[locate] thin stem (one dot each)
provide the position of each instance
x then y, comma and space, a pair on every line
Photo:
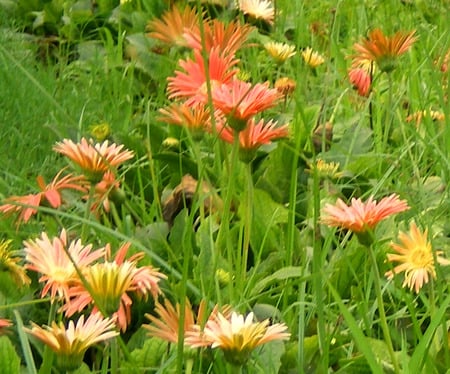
381, 311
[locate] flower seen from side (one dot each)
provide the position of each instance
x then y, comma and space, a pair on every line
71, 343
384, 50
94, 159
239, 101
9, 262
361, 216
415, 258
286, 86
258, 9
106, 191
4, 324
49, 257
312, 58
280, 52
50, 194
360, 80
173, 24
236, 335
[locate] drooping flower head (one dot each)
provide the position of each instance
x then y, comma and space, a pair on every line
9, 262
384, 50
360, 80
415, 258
239, 101
236, 335
173, 24
361, 216
71, 343
50, 194
94, 159
49, 258
4, 324
105, 191
258, 9
110, 283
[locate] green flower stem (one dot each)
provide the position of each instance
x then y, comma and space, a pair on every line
47, 357
87, 212
114, 352
383, 320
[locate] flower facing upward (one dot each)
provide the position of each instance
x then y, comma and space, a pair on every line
50, 194
312, 58
382, 49
190, 83
258, 9
280, 52
239, 101
362, 216
94, 159
70, 343
49, 258
110, 283
415, 256
9, 263
237, 336
172, 25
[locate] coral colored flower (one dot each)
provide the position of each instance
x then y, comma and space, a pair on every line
255, 134
166, 325
95, 159
241, 100
237, 336
361, 216
49, 257
416, 259
226, 38
190, 83
51, 194
258, 9
382, 49
103, 190
71, 343
196, 117
9, 263
172, 25
4, 323
110, 283
312, 58
280, 52
360, 80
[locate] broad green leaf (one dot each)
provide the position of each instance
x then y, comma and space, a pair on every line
10, 361
281, 274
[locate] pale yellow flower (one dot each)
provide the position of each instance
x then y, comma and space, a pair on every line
312, 58
415, 255
280, 52
258, 9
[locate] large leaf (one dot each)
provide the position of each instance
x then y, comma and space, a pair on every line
10, 361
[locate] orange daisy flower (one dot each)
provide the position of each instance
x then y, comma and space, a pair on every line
110, 282
49, 258
362, 216
237, 336
416, 259
190, 83
71, 343
50, 194
95, 159
227, 39
240, 100
382, 49
258, 9
173, 24
166, 325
